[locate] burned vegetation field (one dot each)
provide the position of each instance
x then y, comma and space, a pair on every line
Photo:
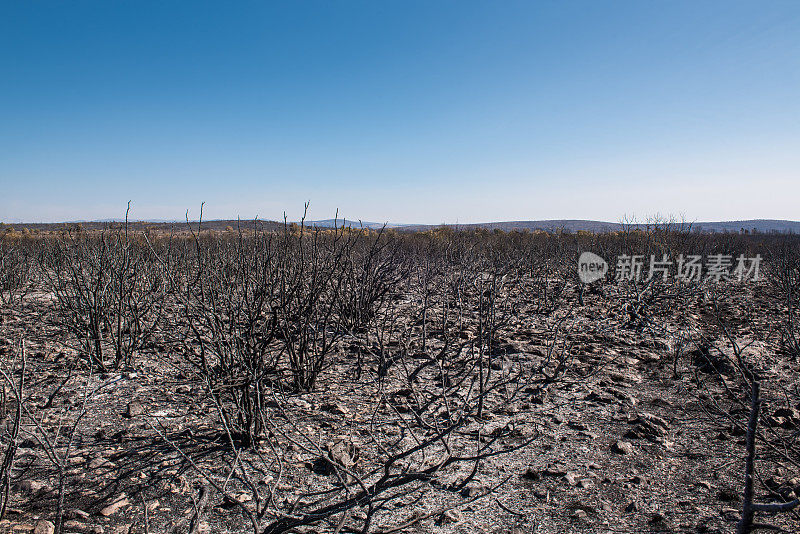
295, 379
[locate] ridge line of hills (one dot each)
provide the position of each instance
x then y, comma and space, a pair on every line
551, 225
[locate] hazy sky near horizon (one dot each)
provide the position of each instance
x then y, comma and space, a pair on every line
400, 111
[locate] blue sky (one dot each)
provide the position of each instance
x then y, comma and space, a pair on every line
396, 111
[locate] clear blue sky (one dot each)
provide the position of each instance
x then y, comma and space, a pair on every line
400, 111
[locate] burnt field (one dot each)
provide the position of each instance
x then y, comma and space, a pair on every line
288, 379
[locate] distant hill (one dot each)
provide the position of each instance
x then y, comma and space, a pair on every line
164, 226
552, 225
761, 225
575, 225
329, 223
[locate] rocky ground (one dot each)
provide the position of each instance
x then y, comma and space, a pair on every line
626, 441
